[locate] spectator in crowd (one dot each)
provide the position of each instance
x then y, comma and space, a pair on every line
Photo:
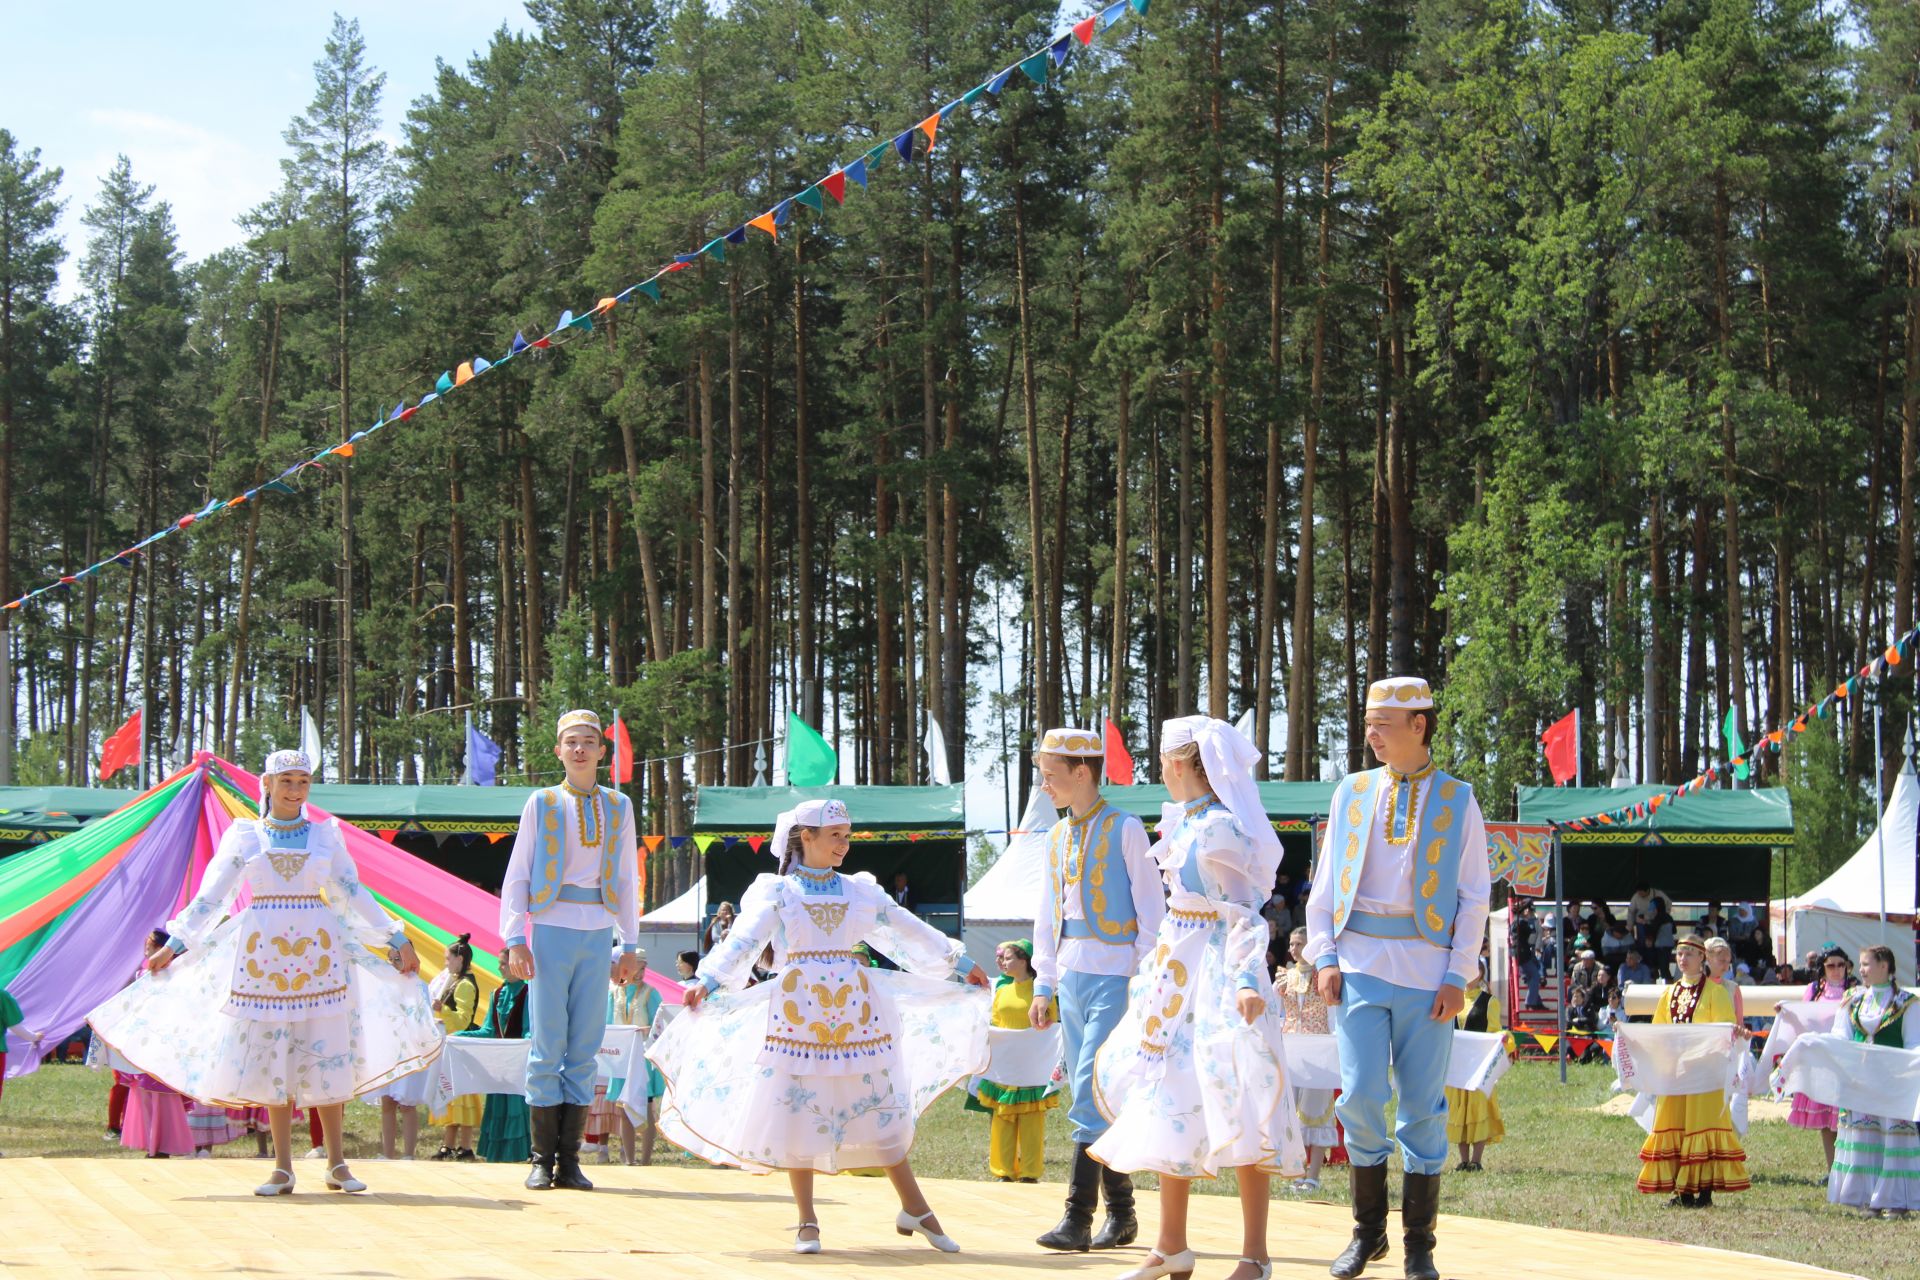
1279, 915
1473, 1118
1580, 979
1784, 975
632, 1004
1714, 922
1614, 1014
1634, 969
1614, 944
1549, 945
717, 927
685, 963
1720, 970
1830, 984
1016, 1140
1665, 935
900, 892
1585, 1016
1643, 899
156, 1116
1306, 1013
506, 1136
1524, 954
456, 1001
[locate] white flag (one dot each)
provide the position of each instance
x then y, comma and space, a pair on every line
936, 746
310, 740
1244, 725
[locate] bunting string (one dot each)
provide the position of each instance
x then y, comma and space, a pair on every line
1036, 66
1897, 655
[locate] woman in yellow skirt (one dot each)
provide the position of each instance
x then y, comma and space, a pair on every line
1016, 1146
456, 995
1473, 1118
1693, 1150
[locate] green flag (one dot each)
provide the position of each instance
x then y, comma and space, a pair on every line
810, 761
1730, 735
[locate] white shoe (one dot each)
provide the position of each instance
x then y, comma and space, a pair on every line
1306, 1186
907, 1225
1266, 1268
278, 1183
317, 1153
339, 1178
1179, 1267
806, 1246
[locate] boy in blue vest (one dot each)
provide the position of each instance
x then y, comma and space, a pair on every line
1100, 905
572, 883
1394, 924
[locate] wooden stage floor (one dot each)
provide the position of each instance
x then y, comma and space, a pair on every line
183, 1219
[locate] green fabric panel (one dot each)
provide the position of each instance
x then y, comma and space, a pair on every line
1766, 811
481, 960
26, 878
390, 806
755, 808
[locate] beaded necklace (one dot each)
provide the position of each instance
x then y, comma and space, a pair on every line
818, 876
1683, 998
298, 827
1414, 797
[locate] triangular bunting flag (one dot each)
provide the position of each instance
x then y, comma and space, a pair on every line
857, 171
651, 288
1083, 30
904, 145
480, 365
566, 318
970, 95
755, 842
1547, 1042
543, 343
603, 306
716, 248
999, 82
444, 385
676, 841
1035, 67
463, 375
672, 267
738, 235
766, 223
684, 259
583, 321
344, 450
835, 185
1139, 7
876, 153
812, 198
653, 843
518, 344
929, 126
1111, 14
1060, 48
398, 409
729, 841
781, 212
704, 842
495, 837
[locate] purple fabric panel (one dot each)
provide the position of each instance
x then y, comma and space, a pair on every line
104, 941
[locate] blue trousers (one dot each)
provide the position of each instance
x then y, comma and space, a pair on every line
567, 1006
1377, 1024
1090, 1008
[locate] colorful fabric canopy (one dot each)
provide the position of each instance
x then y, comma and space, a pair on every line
74, 914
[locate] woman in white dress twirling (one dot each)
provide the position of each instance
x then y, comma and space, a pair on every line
826, 1067
1194, 1077
280, 1003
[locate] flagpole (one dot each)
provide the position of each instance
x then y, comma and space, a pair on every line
467, 750
1579, 779
1880, 806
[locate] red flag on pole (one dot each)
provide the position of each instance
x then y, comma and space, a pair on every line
1562, 744
622, 752
1119, 763
122, 749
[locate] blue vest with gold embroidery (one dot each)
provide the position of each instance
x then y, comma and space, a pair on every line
1087, 852
1438, 828
550, 853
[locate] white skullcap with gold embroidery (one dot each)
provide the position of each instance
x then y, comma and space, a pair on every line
573, 719
288, 761
1408, 693
1073, 742
808, 813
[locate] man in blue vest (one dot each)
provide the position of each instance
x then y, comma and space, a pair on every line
572, 883
1100, 905
1394, 925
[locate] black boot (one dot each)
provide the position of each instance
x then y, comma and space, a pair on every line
1369, 1242
1121, 1226
1074, 1233
543, 1123
566, 1171
1419, 1207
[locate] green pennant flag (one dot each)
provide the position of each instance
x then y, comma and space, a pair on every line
651, 289
1036, 67
810, 761
1735, 748
813, 199
716, 248
876, 154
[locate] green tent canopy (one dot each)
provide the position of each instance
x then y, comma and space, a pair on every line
1295, 808
1708, 845
437, 810
29, 815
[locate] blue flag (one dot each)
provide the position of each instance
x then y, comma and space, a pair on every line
483, 757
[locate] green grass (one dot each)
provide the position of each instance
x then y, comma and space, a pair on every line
1562, 1165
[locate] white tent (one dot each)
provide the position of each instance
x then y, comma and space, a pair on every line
1844, 909
1001, 905
673, 927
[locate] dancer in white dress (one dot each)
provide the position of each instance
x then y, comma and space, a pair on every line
282, 1003
1194, 1078
826, 1067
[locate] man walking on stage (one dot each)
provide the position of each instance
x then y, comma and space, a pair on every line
1394, 924
572, 882
1099, 908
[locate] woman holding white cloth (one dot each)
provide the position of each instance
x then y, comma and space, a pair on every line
1194, 1077
1876, 1160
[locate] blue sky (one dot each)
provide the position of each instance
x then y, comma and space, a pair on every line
197, 95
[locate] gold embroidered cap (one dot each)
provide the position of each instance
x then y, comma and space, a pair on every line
1692, 940
1408, 693
573, 719
1073, 742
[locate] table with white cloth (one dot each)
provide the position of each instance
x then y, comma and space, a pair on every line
477, 1064
1478, 1060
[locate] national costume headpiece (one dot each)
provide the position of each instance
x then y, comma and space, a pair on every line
1079, 743
1692, 940
1408, 693
288, 761
1229, 758
574, 719
808, 813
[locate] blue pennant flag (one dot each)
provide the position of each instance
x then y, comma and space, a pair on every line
950, 108
518, 344
736, 236
686, 259
357, 436
1061, 48
1112, 13
428, 399
999, 82
398, 409
781, 212
857, 171
483, 756
480, 365
566, 318
904, 145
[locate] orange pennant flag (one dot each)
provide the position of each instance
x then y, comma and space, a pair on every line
463, 375
766, 223
344, 450
495, 837
929, 126
606, 304
653, 843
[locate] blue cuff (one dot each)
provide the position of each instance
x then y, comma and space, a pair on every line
710, 985
965, 965
176, 946
1248, 983
397, 938
1041, 991
629, 948
1328, 961
518, 940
